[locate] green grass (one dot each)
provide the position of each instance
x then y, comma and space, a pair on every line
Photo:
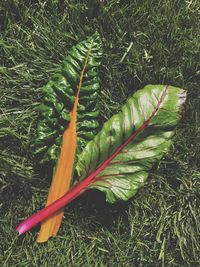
160, 226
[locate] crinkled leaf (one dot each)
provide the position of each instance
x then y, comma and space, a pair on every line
77, 115
59, 97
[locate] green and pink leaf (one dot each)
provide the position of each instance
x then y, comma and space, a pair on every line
118, 159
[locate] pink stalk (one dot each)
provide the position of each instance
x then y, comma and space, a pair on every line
52, 208
79, 188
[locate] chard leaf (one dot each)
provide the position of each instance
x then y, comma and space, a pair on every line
59, 97
79, 78
117, 161
132, 141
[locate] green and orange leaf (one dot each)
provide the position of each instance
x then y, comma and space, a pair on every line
73, 91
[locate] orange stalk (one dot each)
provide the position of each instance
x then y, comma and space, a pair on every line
61, 181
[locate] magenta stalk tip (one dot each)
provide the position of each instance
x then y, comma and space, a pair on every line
21, 229
38, 217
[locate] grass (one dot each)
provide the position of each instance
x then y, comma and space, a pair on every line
160, 226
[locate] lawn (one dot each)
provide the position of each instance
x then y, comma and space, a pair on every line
144, 42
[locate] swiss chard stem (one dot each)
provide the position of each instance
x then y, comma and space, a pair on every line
55, 206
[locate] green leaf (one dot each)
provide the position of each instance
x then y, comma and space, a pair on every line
59, 97
118, 160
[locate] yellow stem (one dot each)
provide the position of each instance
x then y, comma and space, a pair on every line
61, 181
